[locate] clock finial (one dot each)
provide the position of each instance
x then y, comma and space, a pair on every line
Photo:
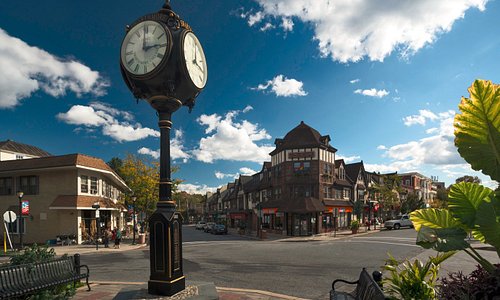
167, 4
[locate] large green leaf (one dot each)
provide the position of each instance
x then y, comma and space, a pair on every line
488, 222
433, 218
464, 199
442, 239
477, 128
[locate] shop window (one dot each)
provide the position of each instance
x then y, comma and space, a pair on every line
93, 185
6, 186
326, 192
301, 167
28, 185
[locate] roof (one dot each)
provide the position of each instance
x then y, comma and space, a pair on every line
334, 202
23, 148
342, 182
48, 162
79, 201
295, 205
339, 162
352, 170
302, 136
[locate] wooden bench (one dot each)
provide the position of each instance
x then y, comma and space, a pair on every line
367, 288
20, 280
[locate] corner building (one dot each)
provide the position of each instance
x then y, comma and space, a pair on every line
306, 191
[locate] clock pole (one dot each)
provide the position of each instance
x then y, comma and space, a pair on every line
168, 85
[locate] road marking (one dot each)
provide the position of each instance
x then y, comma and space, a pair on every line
380, 242
385, 238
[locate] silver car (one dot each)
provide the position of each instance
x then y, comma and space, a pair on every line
401, 221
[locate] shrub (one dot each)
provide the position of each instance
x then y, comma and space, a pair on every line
480, 284
355, 225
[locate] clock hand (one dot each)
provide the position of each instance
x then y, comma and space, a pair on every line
144, 40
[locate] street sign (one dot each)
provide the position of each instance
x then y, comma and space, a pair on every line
97, 213
25, 208
9, 216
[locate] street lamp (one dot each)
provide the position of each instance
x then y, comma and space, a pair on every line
20, 195
133, 216
96, 206
369, 213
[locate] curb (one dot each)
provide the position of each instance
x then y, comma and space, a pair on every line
260, 292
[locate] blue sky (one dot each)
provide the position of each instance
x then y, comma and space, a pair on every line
382, 78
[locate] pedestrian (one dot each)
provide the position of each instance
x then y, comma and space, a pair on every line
118, 238
107, 235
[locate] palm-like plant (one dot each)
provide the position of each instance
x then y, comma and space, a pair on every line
471, 207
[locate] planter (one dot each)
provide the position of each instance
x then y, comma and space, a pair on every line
354, 231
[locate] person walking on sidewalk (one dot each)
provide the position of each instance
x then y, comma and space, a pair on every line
118, 238
107, 235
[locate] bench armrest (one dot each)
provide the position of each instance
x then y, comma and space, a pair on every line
344, 281
86, 267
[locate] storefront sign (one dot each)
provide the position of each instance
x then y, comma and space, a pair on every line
269, 211
292, 155
25, 208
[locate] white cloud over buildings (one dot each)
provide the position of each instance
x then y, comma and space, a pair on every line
283, 87
232, 140
349, 31
27, 69
119, 125
177, 150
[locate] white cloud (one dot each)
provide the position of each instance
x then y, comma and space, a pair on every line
196, 188
435, 150
99, 114
354, 81
231, 140
283, 87
27, 69
381, 147
348, 159
247, 171
177, 150
372, 92
220, 175
421, 118
266, 27
287, 24
348, 31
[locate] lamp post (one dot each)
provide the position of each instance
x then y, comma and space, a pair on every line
96, 206
20, 195
369, 213
133, 216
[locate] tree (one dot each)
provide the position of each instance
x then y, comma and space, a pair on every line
411, 203
442, 198
358, 208
468, 178
389, 192
116, 163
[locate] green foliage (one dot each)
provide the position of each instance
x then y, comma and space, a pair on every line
355, 225
358, 208
477, 128
415, 280
60, 292
412, 203
471, 207
468, 178
33, 254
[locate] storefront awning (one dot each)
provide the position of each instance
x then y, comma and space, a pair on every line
294, 205
84, 202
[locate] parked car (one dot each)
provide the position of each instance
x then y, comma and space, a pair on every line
401, 221
219, 229
208, 227
200, 225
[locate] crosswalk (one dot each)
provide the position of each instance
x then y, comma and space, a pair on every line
393, 241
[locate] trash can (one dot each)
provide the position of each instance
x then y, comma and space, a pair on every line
142, 238
263, 234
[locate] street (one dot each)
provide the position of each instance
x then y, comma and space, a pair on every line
302, 269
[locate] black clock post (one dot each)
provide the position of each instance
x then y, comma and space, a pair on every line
159, 66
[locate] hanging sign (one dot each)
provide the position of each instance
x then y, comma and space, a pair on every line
25, 208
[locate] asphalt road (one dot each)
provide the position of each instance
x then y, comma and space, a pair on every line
302, 269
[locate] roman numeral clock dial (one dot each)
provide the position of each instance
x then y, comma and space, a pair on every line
195, 61
144, 47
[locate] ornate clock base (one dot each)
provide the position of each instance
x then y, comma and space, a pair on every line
166, 288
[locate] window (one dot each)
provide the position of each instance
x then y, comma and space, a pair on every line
407, 182
84, 184
13, 227
346, 194
341, 173
6, 186
28, 185
93, 185
301, 167
338, 194
326, 192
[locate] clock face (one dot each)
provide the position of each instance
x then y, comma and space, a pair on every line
145, 46
194, 57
